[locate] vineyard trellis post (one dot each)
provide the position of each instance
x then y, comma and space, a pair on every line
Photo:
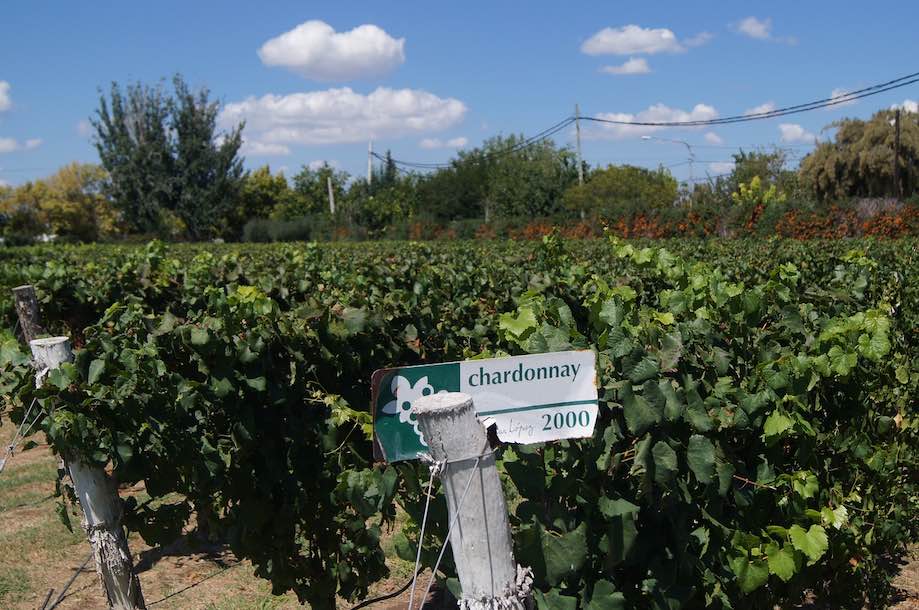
479, 528
27, 311
98, 497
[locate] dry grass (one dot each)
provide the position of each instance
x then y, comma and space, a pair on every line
39, 553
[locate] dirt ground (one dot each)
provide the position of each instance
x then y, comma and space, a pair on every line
38, 554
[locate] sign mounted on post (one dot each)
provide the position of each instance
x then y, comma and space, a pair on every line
531, 399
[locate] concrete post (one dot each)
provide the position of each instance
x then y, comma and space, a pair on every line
480, 539
99, 500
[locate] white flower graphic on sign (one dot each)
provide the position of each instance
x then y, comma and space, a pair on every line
406, 394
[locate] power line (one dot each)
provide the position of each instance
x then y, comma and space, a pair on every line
890, 85
544, 134
897, 83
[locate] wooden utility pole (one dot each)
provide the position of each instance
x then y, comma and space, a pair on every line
577, 131
331, 196
370, 163
99, 500
27, 310
480, 533
897, 188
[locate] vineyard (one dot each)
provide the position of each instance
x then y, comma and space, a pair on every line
757, 443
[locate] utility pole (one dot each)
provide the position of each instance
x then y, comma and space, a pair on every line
370, 163
897, 189
331, 196
577, 129
692, 159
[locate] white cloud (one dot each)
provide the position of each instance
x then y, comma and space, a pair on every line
318, 164
8, 145
432, 143
84, 128
721, 167
635, 65
713, 138
760, 29
766, 107
699, 39
839, 93
632, 39
756, 28
315, 50
657, 113
6, 102
336, 116
793, 133
907, 106
262, 149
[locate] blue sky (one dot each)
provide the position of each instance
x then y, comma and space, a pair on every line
426, 78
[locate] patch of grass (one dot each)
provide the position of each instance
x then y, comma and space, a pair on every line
26, 484
14, 584
250, 602
37, 472
48, 535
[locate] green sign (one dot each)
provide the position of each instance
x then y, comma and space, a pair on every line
531, 399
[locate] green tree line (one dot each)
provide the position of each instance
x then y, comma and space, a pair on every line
165, 169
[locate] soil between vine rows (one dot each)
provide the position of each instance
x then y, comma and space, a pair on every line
39, 554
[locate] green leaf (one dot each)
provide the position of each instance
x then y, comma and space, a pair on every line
167, 324
902, 374
96, 367
639, 414
355, 319
671, 350
564, 554
835, 517
619, 539
612, 312
751, 575
553, 600
812, 542
700, 455
125, 451
875, 346
644, 369
221, 386
665, 462
776, 424
616, 508
199, 336
605, 597
257, 383
781, 561
673, 404
519, 324
805, 484
842, 362
529, 480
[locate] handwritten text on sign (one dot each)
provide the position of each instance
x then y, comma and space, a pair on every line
531, 399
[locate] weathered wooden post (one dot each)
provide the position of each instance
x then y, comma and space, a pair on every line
98, 497
480, 537
27, 309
